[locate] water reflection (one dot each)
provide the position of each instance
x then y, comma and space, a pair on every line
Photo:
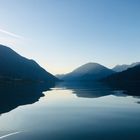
12, 96
86, 89
55, 117
98, 89
132, 89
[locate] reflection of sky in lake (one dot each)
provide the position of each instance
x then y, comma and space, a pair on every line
61, 114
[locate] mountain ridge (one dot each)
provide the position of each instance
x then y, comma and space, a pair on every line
120, 68
16, 67
89, 71
131, 75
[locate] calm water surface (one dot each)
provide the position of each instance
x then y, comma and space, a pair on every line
72, 112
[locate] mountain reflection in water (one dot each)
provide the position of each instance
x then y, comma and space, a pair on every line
60, 115
99, 89
14, 95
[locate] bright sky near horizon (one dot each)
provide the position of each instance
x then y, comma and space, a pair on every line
64, 34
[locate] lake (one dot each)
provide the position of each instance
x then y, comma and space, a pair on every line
69, 111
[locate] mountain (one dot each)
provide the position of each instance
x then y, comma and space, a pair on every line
89, 71
120, 68
14, 67
131, 75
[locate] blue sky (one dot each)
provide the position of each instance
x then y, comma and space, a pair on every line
63, 34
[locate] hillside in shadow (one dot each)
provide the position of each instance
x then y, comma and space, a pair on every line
16, 68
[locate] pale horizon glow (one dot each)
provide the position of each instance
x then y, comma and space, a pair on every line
63, 35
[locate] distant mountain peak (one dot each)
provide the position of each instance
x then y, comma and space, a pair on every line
88, 71
123, 67
128, 76
88, 66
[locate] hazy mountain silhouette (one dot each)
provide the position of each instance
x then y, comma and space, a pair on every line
14, 67
120, 68
128, 78
14, 95
87, 72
